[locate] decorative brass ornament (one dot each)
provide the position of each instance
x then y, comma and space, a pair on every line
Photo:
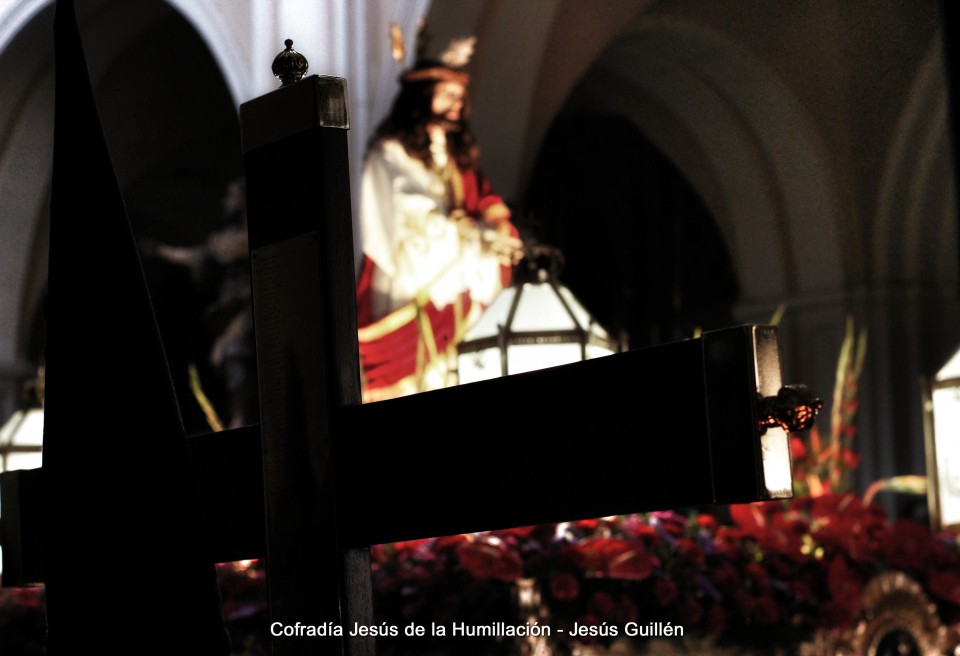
289, 66
895, 619
793, 408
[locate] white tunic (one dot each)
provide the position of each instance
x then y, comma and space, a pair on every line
419, 252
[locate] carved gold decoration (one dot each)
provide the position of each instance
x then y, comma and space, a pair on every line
895, 619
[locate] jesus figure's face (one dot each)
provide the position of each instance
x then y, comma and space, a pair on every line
448, 99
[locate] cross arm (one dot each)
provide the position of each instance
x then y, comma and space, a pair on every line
671, 426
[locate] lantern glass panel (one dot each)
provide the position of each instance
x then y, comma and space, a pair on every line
946, 428
479, 365
531, 357
951, 369
495, 316
541, 309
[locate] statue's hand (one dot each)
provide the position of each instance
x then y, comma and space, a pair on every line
499, 241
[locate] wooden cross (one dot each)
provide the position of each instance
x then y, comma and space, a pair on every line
665, 427
671, 426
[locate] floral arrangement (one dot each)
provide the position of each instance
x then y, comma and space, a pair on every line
788, 568
823, 465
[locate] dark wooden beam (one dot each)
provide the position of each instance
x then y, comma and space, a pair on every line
229, 473
305, 320
665, 427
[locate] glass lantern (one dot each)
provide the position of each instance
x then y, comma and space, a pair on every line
942, 434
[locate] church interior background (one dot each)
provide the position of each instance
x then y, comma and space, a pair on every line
700, 165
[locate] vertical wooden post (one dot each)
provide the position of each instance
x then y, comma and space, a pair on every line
301, 243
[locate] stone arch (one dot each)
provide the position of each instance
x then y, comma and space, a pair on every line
742, 138
915, 241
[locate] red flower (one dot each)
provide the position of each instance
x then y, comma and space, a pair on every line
449, 541
850, 458
907, 545
615, 558
517, 531
726, 577
634, 565
671, 522
690, 550
837, 613
636, 527
588, 524
564, 586
407, 546
489, 558
707, 523
845, 587
945, 586
798, 449
842, 581
756, 574
753, 518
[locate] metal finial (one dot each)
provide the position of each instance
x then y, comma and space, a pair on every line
289, 66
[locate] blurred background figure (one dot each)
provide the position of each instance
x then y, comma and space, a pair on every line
214, 362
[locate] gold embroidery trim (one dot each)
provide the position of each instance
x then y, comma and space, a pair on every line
386, 325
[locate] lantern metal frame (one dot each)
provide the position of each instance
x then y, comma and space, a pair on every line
540, 265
